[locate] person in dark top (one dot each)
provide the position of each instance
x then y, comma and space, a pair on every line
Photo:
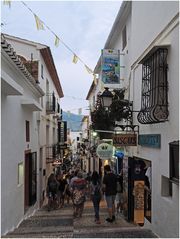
110, 189
95, 190
62, 189
52, 190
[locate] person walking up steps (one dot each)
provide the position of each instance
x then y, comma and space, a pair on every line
78, 186
51, 191
110, 189
96, 193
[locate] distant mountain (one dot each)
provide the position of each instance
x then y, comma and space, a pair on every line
73, 120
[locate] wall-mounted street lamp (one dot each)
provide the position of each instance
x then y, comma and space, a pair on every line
94, 134
109, 100
111, 107
106, 98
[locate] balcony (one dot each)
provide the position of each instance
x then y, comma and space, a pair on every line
52, 152
50, 104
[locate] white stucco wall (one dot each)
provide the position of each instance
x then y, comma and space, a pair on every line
13, 145
13, 117
164, 209
148, 19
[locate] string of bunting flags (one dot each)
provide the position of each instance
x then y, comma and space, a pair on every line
41, 25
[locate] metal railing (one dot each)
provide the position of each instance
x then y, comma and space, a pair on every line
52, 152
50, 103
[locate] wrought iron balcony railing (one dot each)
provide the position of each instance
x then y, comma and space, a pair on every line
50, 104
52, 151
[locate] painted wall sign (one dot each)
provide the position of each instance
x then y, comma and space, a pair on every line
150, 140
104, 151
110, 66
125, 140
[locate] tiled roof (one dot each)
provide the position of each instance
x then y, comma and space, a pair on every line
12, 54
48, 59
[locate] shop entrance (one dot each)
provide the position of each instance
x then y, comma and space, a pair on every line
137, 187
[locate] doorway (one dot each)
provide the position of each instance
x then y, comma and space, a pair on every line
30, 190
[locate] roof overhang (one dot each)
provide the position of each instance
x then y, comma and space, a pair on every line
117, 25
90, 90
48, 59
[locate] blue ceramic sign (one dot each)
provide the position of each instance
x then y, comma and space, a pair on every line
150, 140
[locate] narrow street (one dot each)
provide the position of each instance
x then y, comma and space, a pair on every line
60, 224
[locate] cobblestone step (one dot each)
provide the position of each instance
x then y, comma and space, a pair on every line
42, 235
60, 224
41, 230
118, 233
47, 222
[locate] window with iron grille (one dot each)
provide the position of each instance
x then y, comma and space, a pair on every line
50, 103
154, 102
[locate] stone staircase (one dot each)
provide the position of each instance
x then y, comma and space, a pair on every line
60, 224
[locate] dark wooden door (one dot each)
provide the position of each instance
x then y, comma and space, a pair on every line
26, 178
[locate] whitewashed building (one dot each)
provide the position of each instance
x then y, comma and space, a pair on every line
147, 35
30, 108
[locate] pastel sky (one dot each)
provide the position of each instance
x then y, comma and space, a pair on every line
82, 25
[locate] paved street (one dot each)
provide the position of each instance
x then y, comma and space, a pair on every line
60, 224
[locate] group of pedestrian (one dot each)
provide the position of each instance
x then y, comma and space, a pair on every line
76, 186
112, 187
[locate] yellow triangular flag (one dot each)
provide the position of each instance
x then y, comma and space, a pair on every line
7, 2
75, 59
56, 41
88, 70
39, 23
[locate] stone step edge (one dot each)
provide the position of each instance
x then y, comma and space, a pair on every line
106, 230
41, 217
34, 230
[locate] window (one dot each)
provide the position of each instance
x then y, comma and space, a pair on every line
166, 187
124, 38
174, 161
154, 101
20, 173
27, 131
42, 104
42, 72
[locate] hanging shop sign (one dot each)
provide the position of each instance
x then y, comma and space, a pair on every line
62, 131
125, 140
150, 140
110, 66
104, 151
